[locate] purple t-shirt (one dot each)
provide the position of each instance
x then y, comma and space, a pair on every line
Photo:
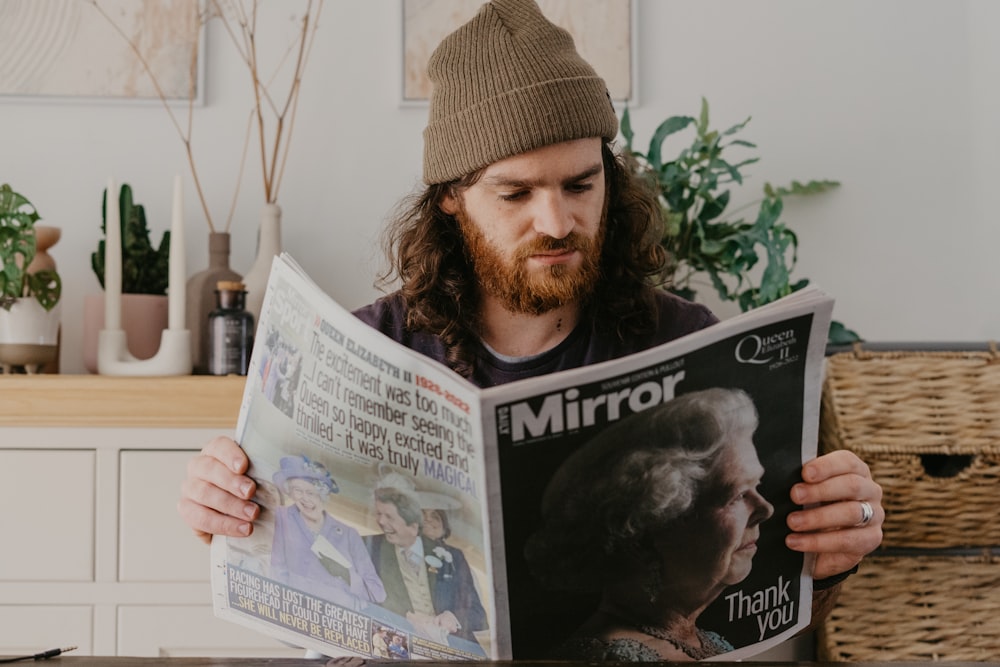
675, 317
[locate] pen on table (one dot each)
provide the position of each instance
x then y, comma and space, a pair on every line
44, 655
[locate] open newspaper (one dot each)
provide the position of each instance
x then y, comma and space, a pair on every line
407, 513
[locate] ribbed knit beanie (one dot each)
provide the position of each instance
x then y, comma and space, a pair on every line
507, 82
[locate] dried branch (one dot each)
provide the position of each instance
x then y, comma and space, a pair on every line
185, 135
300, 69
244, 38
241, 26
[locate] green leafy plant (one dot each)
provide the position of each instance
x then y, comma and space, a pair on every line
694, 193
145, 269
17, 249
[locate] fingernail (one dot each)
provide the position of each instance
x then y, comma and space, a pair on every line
792, 541
236, 465
244, 529
250, 510
245, 489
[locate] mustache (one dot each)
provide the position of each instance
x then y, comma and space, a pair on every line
572, 241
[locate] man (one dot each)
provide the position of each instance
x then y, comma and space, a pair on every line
425, 581
533, 250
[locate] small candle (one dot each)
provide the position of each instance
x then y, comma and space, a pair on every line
112, 261
176, 286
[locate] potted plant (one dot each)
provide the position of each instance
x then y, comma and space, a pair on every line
29, 301
694, 193
145, 275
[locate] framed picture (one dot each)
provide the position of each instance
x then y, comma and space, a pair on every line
77, 51
603, 30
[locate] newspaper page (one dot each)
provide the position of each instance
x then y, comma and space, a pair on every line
362, 449
619, 520
331, 417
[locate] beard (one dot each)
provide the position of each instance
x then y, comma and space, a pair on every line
523, 292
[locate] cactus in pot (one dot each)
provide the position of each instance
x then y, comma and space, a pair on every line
145, 269
145, 278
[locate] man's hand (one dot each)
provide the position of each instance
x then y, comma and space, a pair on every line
215, 497
835, 487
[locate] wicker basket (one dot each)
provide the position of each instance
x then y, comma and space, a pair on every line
928, 426
916, 608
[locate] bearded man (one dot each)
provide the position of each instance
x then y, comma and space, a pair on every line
533, 249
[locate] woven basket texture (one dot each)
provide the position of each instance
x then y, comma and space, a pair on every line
918, 609
928, 426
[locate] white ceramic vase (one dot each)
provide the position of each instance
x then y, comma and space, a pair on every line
268, 246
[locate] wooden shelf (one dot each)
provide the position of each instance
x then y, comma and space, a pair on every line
193, 401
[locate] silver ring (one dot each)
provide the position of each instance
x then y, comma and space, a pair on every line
866, 513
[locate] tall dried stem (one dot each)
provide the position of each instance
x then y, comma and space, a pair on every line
244, 38
185, 132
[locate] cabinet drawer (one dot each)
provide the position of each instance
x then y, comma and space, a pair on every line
47, 523
154, 543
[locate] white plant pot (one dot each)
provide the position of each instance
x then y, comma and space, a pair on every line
29, 335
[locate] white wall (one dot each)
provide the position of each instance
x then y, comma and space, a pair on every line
896, 99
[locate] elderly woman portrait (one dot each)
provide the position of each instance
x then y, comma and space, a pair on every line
659, 513
312, 551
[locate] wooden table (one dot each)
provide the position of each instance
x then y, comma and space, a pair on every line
105, 661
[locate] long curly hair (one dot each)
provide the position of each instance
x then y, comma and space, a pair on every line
428, 255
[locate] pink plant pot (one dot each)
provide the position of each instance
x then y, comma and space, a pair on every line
144, 317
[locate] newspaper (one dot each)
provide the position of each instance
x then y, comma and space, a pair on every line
362, 414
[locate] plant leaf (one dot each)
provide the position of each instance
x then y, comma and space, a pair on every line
703, 117
666, 128
626, 129
797, 188
841, 335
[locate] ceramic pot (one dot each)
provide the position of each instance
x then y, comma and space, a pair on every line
144, 317
29, 335
45, 237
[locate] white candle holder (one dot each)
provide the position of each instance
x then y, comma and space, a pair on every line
174, 354
172, 358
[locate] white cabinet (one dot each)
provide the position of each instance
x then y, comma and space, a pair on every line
92, 551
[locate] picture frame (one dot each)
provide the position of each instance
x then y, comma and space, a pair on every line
59, 51
603, 31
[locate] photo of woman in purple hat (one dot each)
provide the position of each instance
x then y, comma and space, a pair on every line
312, 551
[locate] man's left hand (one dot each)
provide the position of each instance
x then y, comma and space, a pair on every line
836, 488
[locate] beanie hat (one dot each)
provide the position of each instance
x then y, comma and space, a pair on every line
507, 82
